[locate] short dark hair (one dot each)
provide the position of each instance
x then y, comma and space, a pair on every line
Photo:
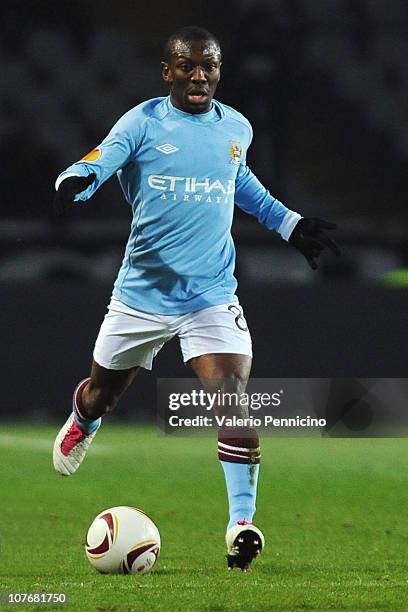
187, 34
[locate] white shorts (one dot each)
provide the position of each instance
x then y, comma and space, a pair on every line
130, 338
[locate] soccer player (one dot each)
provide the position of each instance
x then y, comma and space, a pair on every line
181, 163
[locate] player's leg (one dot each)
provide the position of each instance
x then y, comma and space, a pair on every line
128, 339
93, 397
238, 451
238, 447
103, 390
216, 343
99, 394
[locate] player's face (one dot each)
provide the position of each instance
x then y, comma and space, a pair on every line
193, 74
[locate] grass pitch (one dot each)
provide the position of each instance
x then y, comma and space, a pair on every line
334, 513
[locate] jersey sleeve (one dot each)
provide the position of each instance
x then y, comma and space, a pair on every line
253, 198
111, 155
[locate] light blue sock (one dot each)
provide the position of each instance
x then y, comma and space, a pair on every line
87, 425
242, 481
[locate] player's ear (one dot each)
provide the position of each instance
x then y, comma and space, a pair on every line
165, 71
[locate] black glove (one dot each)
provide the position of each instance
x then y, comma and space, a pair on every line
310, 240
68, 189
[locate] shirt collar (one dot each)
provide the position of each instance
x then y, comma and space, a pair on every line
209, 117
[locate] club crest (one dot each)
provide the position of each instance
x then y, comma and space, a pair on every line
235, 152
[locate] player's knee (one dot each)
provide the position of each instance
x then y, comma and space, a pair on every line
233, 385
235, 380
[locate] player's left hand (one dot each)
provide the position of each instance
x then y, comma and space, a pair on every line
310, 239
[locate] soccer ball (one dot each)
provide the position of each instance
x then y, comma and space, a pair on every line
122, 540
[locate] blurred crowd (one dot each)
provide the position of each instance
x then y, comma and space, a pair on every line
324, 83
321, 81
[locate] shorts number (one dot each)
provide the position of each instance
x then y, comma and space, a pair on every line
239, 319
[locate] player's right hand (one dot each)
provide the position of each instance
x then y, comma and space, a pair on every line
68, 189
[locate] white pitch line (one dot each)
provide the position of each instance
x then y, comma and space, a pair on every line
10, 441
38, 444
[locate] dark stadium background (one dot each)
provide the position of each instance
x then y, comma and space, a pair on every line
324, 83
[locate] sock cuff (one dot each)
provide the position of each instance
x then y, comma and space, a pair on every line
77, 405
239, 445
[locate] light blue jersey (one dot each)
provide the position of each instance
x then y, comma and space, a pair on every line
181, 174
